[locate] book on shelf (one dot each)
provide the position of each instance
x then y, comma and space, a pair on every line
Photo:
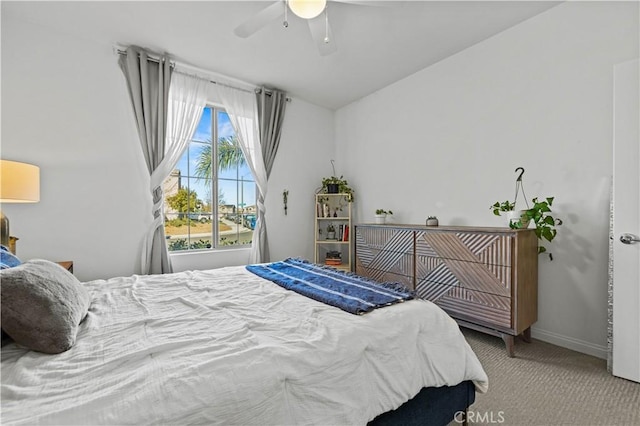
322, 210
333, 257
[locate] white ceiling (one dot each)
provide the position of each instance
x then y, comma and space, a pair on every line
376, 46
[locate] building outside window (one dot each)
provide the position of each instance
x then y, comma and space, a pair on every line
210, 197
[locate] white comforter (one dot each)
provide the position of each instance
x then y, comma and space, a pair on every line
227, 347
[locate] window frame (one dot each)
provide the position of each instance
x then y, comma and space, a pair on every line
215, 230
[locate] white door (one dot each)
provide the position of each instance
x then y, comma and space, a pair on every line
626, 222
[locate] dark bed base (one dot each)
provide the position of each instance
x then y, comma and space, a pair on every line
431, 407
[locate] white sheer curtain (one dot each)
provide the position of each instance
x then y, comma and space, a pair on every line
242, 108
187, 99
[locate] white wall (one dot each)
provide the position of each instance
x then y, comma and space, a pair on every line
304, 157
65, 108
446, 142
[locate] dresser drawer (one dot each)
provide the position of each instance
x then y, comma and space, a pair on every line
475, 247
382, 275
385, 255
494, 279
459, 302
389, 239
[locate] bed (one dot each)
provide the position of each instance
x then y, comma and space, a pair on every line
226, 346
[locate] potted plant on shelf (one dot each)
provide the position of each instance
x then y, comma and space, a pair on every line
331, 232
381, 215
336, 185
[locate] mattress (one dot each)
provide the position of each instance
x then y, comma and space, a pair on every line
225, 346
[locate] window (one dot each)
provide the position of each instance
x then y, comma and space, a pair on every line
194, 218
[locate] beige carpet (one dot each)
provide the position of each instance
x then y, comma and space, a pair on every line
548, 385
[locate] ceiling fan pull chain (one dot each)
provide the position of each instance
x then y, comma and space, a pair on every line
326, 24
286, 14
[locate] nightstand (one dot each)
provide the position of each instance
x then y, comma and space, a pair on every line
67, 264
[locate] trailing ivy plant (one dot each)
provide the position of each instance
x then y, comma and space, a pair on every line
539, 213
341, 183
545, 223
505, 206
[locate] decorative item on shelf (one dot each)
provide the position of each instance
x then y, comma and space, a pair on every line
336, 185
285, 198
545, 224
331, 232
432, 221
381, 215
19, 183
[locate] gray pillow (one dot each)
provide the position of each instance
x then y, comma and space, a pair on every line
42, 305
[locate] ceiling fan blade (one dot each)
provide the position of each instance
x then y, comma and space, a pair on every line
260, 19
318, 28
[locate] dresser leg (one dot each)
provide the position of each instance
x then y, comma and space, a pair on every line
526, 335
509, 342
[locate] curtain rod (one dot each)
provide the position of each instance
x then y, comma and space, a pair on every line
172, 64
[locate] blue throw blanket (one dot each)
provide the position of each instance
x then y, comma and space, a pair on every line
343, 290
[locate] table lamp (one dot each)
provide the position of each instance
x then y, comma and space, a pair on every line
19, 183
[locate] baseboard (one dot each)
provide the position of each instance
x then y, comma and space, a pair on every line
577, 345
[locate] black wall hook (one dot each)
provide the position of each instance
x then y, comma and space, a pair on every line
519, 179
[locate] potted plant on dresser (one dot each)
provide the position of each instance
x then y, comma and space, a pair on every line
381, 215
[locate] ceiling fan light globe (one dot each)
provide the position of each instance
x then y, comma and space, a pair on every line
307, 9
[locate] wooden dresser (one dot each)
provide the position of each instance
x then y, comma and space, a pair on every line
485, 278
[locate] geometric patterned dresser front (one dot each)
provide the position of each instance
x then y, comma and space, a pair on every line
385, 254
485, 278
468, 274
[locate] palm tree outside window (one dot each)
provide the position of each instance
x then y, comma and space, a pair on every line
194, 218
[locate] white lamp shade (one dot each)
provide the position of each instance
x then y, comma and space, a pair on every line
19, 182
307, 9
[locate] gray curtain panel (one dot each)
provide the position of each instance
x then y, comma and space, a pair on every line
148, 84
271, 110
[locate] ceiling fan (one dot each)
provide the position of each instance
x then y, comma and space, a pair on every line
305, 9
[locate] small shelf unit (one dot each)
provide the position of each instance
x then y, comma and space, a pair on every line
333, 231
